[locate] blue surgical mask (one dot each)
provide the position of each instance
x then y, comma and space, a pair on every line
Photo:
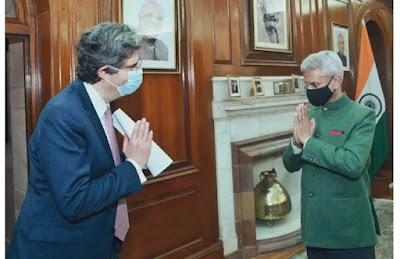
135, 79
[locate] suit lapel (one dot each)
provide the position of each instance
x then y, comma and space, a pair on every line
92, 115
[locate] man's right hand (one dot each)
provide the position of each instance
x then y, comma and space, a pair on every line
138, 146
296, 140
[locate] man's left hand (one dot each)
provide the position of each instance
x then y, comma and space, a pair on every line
305, 127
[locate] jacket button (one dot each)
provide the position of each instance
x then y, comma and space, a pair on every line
312, 173
310, 194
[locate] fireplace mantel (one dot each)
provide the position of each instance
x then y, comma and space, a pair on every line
244, 154
238, 119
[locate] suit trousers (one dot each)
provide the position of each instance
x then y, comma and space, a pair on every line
353, 253
117, 247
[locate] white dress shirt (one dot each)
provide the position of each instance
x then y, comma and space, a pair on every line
100, 107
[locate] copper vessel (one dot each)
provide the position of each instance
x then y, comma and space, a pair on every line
271, 199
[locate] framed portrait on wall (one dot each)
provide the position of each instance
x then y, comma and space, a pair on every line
234, 86
272, 25
340, 43
158, 23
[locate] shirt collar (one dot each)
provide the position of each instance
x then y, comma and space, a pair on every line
100, 106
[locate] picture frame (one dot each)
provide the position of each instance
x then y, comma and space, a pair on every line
283, 87
234, 88
158, 23
258, 88
302, 84
272, 30
295, 83
340, 43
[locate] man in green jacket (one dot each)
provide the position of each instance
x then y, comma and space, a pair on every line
331, 143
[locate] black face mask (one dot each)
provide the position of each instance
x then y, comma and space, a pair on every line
320, 96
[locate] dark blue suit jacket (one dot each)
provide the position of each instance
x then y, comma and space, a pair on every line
73, 188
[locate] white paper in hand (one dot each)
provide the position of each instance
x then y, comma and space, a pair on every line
158, 160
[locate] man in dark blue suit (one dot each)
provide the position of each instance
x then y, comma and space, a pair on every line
76, 175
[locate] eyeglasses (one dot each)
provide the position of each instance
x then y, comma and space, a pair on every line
315, 85
134, 66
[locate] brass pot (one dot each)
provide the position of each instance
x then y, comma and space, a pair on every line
272, 201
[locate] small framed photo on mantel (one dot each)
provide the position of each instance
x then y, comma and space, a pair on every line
234, 86
296, 83
283, 87
258, 87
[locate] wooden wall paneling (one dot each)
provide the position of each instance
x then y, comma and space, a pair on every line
301, 36
32, 88
199, 91
315, 23
60, 24
324, 24
339, 13
54, 52
222, 35
44, 47
309, 37
233, 67
65, 45
17, 28
176, 213
161, 100
311, 29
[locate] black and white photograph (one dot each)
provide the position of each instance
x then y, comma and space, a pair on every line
340, 43
272, 26
234, 86
157, 21
258, 87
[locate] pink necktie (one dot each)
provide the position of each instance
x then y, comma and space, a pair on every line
121, 219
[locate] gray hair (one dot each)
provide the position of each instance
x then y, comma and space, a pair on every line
105, 44
327, 61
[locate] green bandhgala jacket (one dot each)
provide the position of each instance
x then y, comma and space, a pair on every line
336, 205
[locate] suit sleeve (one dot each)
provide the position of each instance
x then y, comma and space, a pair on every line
291, 161
349, 160
66, 164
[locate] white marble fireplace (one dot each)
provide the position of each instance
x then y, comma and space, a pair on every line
253, 122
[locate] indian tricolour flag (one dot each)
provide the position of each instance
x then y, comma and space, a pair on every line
369, 93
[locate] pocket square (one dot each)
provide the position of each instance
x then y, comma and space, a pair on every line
337, 132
